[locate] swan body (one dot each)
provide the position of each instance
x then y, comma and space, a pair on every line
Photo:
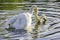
21, 21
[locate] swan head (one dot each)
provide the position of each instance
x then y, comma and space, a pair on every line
42, 19
43, 16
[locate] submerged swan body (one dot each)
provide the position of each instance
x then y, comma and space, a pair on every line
21, 21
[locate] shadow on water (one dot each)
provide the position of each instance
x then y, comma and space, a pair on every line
53, 23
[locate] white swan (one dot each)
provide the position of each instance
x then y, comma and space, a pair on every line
39, 19
24, 20
21, 21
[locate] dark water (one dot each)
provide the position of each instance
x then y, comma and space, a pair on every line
52, 26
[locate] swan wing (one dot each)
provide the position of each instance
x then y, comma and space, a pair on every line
12, 20
21, 22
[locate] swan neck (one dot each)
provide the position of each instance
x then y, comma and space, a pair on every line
36, 14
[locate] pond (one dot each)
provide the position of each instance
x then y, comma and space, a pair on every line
52, 26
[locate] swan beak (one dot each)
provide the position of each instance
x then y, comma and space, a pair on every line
44, 22
44, 19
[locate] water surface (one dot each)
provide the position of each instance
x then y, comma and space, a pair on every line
52, 26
